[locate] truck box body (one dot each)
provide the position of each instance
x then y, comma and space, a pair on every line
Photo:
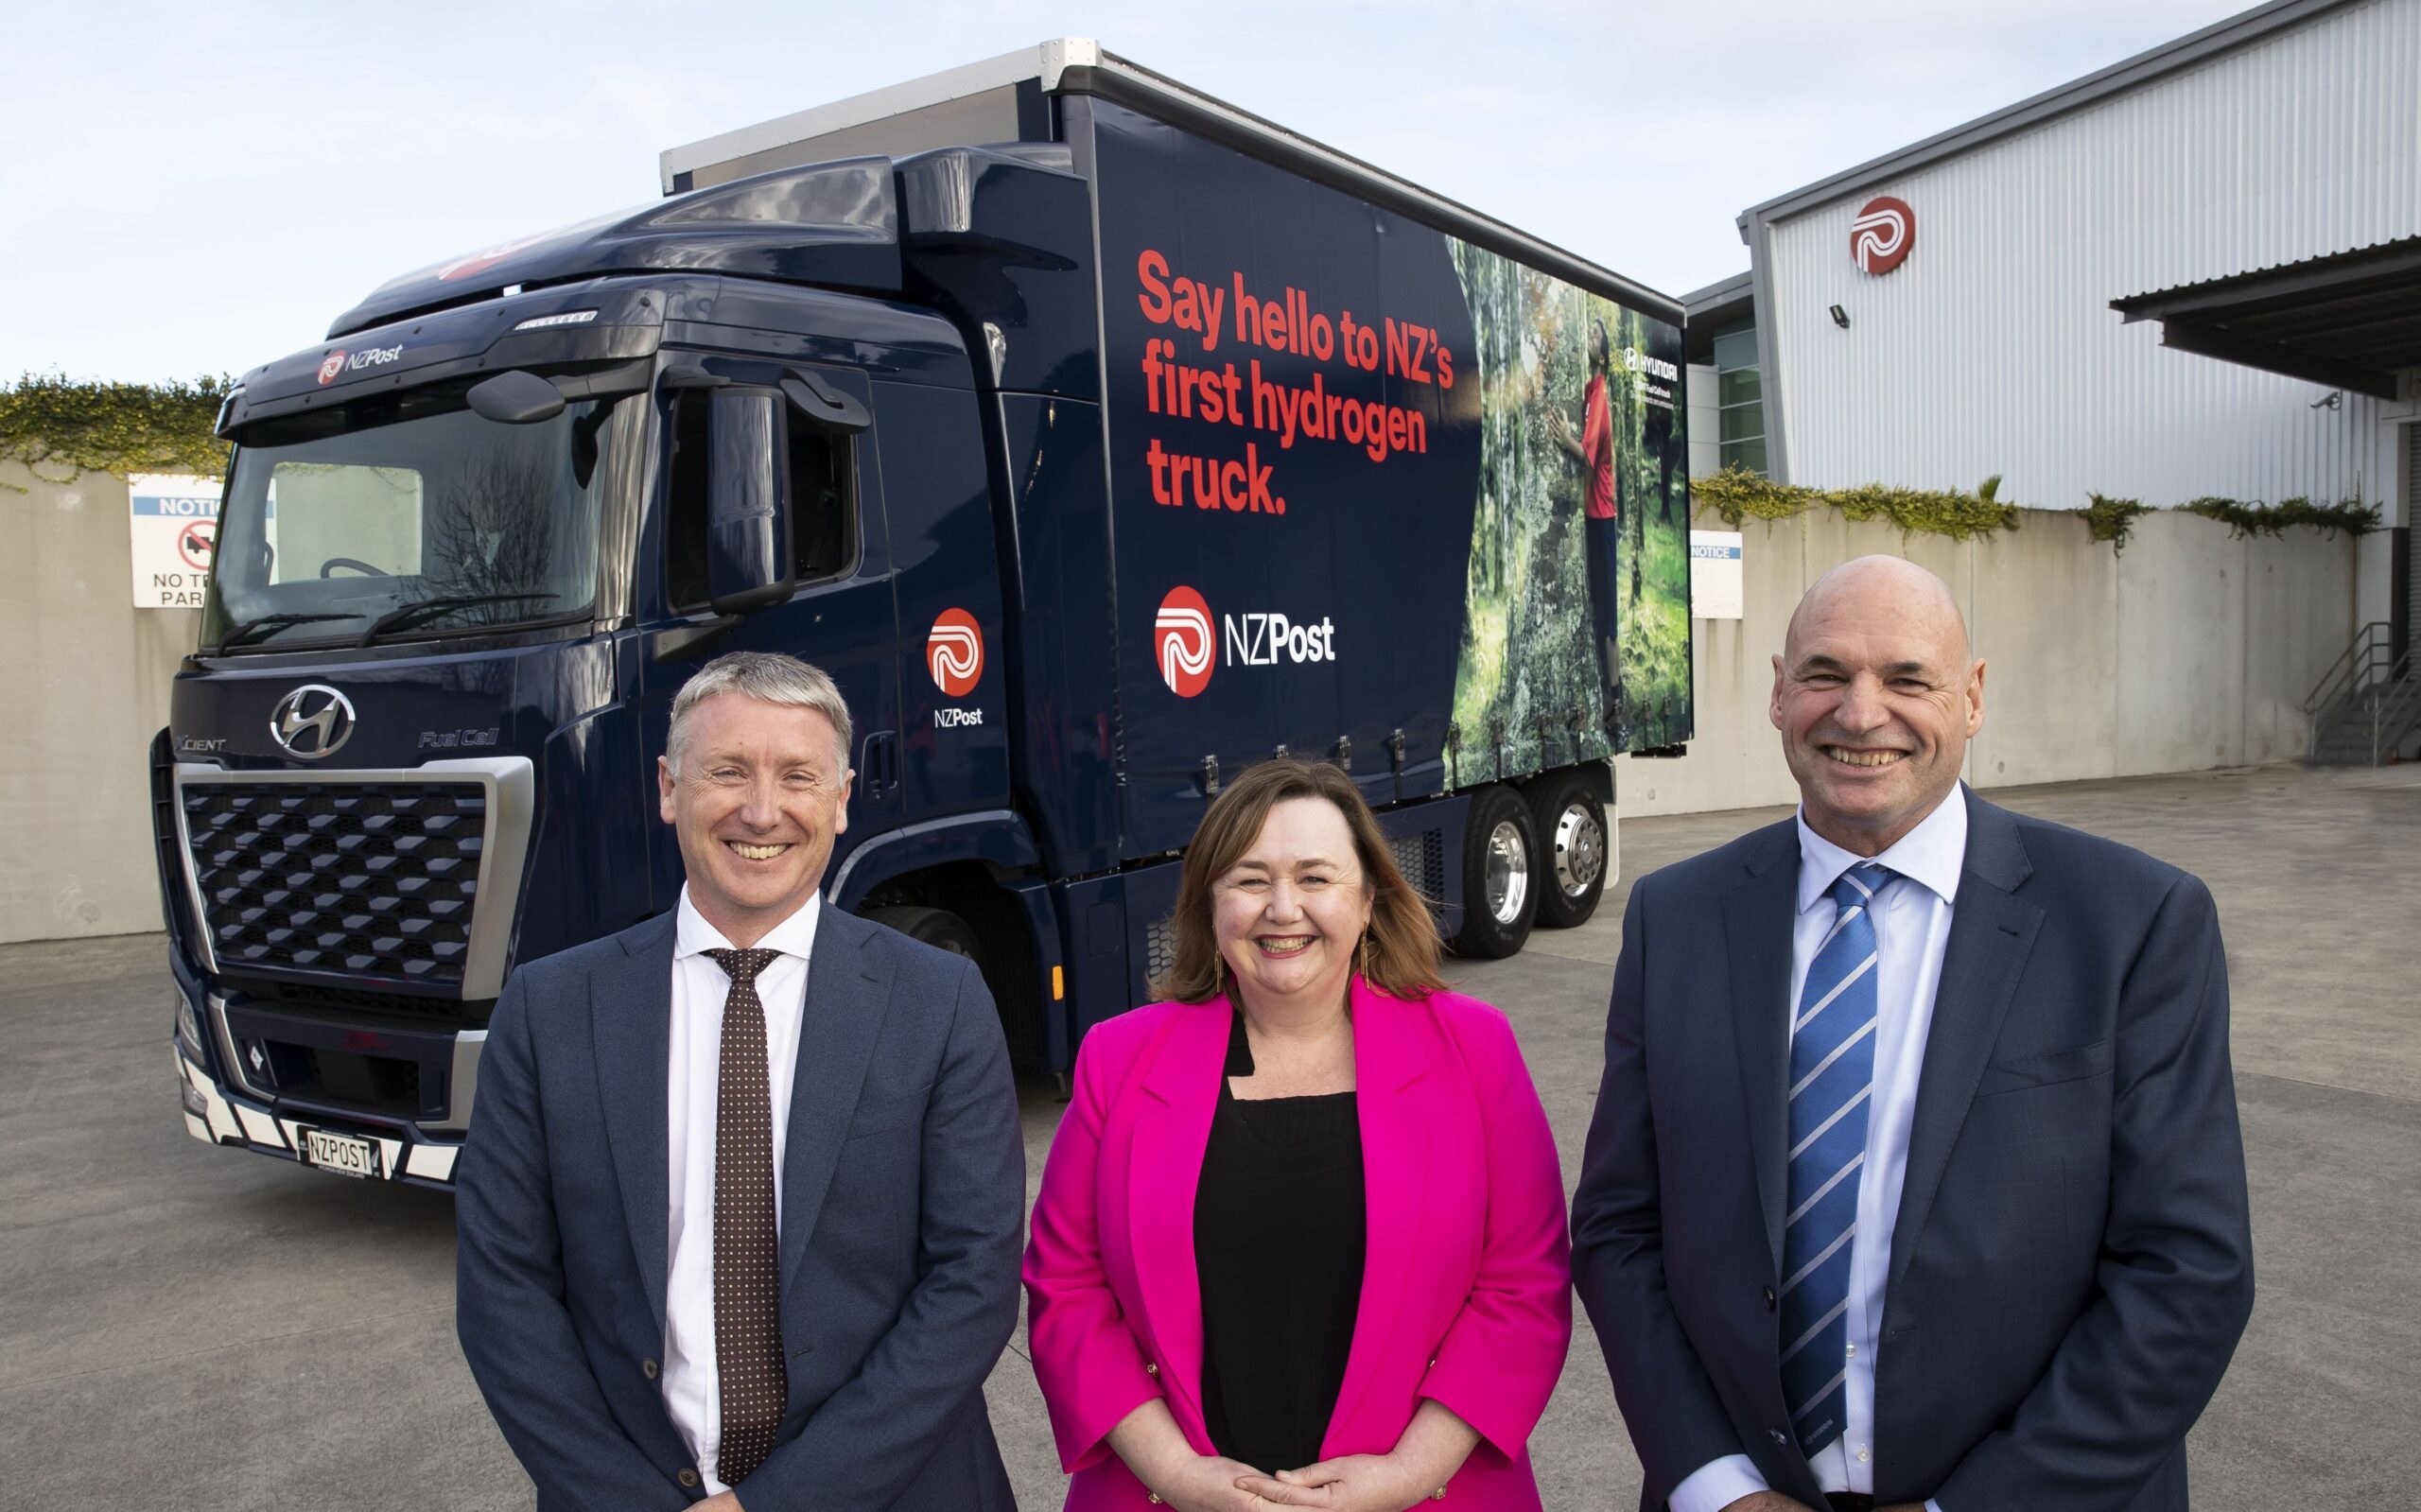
1180, 441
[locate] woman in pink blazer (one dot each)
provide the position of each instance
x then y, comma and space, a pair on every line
1300, 1240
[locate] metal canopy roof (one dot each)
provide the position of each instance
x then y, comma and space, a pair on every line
2349, 320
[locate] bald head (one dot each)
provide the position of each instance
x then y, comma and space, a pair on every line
1884, 590
1876, 693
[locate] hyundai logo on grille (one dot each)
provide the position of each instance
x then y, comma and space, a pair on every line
311, 722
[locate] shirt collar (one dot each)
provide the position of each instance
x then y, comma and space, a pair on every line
1933, 854
795, 935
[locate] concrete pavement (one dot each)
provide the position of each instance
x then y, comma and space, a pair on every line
185, 1327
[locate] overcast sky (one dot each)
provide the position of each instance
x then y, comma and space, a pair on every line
195, 189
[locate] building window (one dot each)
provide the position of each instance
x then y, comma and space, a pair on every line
1739, 400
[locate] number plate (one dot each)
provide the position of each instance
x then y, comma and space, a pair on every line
340, 1152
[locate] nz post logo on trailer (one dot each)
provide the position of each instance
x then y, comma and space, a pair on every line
1187, 649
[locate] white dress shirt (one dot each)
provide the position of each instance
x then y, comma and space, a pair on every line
692, 1077
1911, 931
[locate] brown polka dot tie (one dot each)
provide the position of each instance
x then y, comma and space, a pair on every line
749, 1370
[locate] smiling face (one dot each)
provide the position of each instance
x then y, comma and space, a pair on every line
1290, 912
760, 796
1876, 695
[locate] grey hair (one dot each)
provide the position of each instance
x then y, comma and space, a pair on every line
768, 676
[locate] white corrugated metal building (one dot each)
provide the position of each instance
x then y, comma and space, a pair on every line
2195, 273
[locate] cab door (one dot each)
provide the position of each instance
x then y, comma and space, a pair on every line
841, 615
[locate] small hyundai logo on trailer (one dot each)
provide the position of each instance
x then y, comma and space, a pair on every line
311, 722
1181, 640
954, 652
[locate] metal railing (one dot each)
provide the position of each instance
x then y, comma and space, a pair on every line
2369, 693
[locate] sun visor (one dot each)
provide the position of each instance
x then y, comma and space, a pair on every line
835, 225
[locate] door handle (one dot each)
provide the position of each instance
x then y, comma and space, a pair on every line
879, 763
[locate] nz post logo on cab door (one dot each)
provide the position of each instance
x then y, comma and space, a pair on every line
1187, 647
954, 655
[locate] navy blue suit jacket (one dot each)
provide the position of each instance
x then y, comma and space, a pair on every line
903, 1193
2072, 1264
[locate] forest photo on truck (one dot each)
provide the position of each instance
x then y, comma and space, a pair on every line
1580, 547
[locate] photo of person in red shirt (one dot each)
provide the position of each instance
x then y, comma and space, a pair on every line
1594, 449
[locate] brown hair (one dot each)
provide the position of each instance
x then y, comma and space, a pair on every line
1402, 937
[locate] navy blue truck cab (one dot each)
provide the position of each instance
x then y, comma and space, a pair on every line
1097, 439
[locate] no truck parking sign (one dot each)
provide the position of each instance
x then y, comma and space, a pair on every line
174, 530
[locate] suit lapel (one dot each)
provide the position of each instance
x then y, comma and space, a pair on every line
1164, 1173
1991, 933
1390, 1055
841, 1020
1757, 921
630, 1016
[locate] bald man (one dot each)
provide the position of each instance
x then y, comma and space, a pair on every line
1915, 1177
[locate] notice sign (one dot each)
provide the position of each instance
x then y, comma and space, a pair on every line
176, 530
1715, 575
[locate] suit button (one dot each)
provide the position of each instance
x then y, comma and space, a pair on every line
688, 1479
1782, 1440
647, 1368
1151, 1369
1769, 1298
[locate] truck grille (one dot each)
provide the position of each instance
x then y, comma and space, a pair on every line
374, 880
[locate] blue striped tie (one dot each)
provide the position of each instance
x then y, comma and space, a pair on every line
1832, 1075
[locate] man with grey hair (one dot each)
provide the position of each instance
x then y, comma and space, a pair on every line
1914, 1178
741, 1204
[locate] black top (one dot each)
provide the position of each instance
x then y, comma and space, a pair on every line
1279, 1238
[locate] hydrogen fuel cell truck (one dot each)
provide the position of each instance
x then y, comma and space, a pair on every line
1099, 439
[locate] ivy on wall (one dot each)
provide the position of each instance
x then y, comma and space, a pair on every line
1735, 493
58, 427
1738, 493
2348, 517
2113, 519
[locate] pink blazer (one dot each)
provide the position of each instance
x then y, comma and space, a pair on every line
1466, 1291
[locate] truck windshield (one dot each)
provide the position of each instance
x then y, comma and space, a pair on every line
409, 516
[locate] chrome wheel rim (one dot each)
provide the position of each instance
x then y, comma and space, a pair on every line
1508, 871
1579, 849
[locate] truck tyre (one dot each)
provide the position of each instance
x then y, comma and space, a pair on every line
1500, 875
1570, 820
938, 928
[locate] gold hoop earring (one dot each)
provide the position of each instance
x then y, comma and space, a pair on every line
1362, 962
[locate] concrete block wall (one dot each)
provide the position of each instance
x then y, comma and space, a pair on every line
2194, 650
84, 685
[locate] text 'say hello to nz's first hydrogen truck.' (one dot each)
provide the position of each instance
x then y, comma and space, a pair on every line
1099, 439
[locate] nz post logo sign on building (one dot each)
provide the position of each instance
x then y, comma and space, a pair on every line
174, 534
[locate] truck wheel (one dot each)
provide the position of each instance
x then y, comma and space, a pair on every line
1570, 820
938, 928
1500, 875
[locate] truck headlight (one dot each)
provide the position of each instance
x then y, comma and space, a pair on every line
189, 1026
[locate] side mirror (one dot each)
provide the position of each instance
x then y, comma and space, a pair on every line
515, 398
750, 562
